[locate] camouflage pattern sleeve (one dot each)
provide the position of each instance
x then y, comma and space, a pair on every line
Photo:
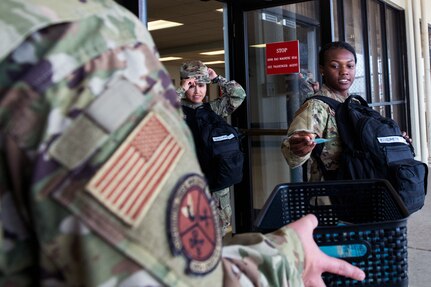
181, 93
233, 94
274, 259
55, 135
312, 117
316, 117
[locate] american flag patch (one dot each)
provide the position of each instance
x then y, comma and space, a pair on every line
131, 179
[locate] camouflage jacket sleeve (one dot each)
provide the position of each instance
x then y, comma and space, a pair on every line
232, 97
274, 259
318, 118
181, 93
63, 55
312, 117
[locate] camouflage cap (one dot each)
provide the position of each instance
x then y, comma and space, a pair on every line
195, 69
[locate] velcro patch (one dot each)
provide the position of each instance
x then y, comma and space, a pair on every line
193, 226
78, 143
134, 175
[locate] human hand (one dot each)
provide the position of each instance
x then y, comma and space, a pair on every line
317, 262
301, 143
188, 83
211, 74
407, 138
315, 86
309, 81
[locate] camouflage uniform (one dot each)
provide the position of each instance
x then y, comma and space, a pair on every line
232, 97
86, 107
316, 117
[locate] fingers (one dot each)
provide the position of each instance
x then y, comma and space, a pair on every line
317, 262
211, 73
406, 137
302, 137
301, 143
343, 268
340, 267
188, 83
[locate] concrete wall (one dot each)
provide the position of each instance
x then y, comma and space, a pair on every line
419, 73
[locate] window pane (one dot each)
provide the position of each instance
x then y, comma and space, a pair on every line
393, 41
399, 115
353, 30
335, 21
396, 91
376, 57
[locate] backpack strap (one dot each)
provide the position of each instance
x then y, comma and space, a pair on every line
329, 101
344, 117
317, 151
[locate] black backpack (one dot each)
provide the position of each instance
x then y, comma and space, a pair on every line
373, 147
218, 147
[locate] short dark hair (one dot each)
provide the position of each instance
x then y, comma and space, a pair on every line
335, 45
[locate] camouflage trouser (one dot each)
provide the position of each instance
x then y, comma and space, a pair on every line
224, 210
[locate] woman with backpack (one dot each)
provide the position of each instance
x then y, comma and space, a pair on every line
315, 119
342, 137
195, 76
313, 133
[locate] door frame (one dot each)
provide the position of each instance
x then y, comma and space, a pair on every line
244, 213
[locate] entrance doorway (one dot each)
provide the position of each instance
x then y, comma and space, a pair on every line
272, 99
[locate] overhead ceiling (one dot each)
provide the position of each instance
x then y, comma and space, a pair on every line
202, 30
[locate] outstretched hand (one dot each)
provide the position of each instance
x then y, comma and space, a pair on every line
301, 143
309, 81
317, 262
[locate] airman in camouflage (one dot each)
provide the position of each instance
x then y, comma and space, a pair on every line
318, 118
99, 185
314, 118
232, 97
232, 94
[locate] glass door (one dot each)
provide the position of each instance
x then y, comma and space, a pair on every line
272, 99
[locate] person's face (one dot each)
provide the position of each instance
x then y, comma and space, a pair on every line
196, 93
339, 70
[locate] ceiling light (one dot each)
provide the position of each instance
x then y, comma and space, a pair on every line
162, 24
212, 53
214, 62
165, 59
220, 10
258, 46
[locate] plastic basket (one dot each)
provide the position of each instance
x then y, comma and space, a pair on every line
365, 221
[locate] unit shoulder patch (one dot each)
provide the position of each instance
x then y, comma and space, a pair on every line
193, 228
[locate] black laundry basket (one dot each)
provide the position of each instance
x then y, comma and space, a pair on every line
363, 222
